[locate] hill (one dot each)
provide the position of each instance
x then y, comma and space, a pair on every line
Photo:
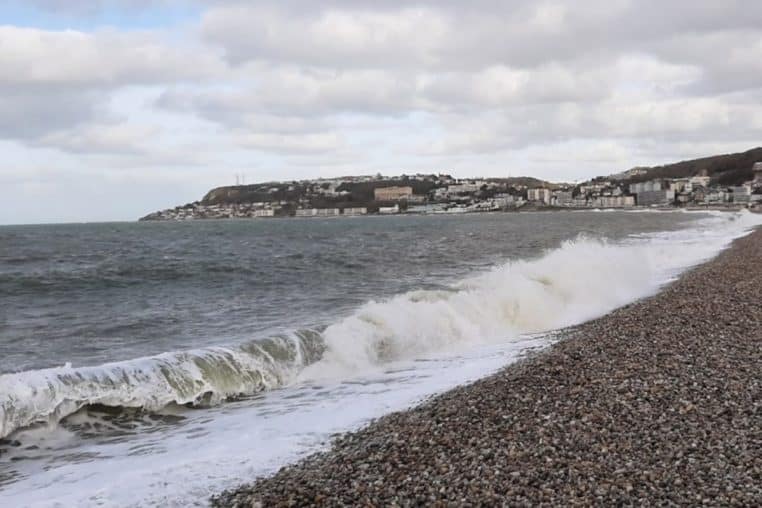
728, 169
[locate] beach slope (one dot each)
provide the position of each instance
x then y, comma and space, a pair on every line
659, 402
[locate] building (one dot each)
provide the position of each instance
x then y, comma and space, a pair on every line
649, 186
392, 193
389, 209
655, 197
741, 194
580, 201
358, 210
699, 181
502, 200
266, 212
681, 185
327, 212
542, 195
613, 202
464, 188
562, 198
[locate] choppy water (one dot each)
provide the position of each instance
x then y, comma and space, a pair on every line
159, 362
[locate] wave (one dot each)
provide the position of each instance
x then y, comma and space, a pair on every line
582, 279
197, 377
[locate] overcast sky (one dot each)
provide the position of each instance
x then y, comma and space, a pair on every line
110, 109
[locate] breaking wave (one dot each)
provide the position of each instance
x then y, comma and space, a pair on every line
582, 279
197, 377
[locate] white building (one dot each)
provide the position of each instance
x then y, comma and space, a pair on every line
327, 212
613, 202
580, 201
562, 198
389, 209
542, 195
741, 193
502, 201
700, 181
463, 188
358, 210
681, 185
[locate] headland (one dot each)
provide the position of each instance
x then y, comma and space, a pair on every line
731, 181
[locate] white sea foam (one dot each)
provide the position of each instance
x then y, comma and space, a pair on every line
199, 377
582, 279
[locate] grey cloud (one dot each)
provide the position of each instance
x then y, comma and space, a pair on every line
57, 81
28, 116
486, 76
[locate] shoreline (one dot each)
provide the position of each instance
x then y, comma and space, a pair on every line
524, 209
657, 402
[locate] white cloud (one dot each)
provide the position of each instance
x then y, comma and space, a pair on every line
35, 58
297, 88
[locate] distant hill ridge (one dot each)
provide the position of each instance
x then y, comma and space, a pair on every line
358, 191
728, 169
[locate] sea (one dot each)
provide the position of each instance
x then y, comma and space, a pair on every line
158, 363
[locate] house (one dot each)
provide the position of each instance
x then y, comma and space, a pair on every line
394, 193
463, 188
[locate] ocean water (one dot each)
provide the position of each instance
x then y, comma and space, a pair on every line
158, 363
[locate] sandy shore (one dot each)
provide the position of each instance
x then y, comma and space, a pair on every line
659, 402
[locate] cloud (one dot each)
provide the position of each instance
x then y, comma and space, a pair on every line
297, 87
42, 59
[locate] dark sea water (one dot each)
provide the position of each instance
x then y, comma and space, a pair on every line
156, 363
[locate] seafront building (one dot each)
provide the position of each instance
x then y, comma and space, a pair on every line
539, 195
359, 210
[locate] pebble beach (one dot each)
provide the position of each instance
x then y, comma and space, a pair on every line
656, 403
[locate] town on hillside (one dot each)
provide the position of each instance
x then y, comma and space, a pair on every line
441, 193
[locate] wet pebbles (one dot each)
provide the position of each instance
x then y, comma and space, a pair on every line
657, 403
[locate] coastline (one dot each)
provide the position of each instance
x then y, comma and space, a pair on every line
656, 402
523, 209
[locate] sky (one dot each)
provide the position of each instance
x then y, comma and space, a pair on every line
111, 109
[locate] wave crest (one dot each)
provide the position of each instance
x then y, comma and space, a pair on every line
198, 377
